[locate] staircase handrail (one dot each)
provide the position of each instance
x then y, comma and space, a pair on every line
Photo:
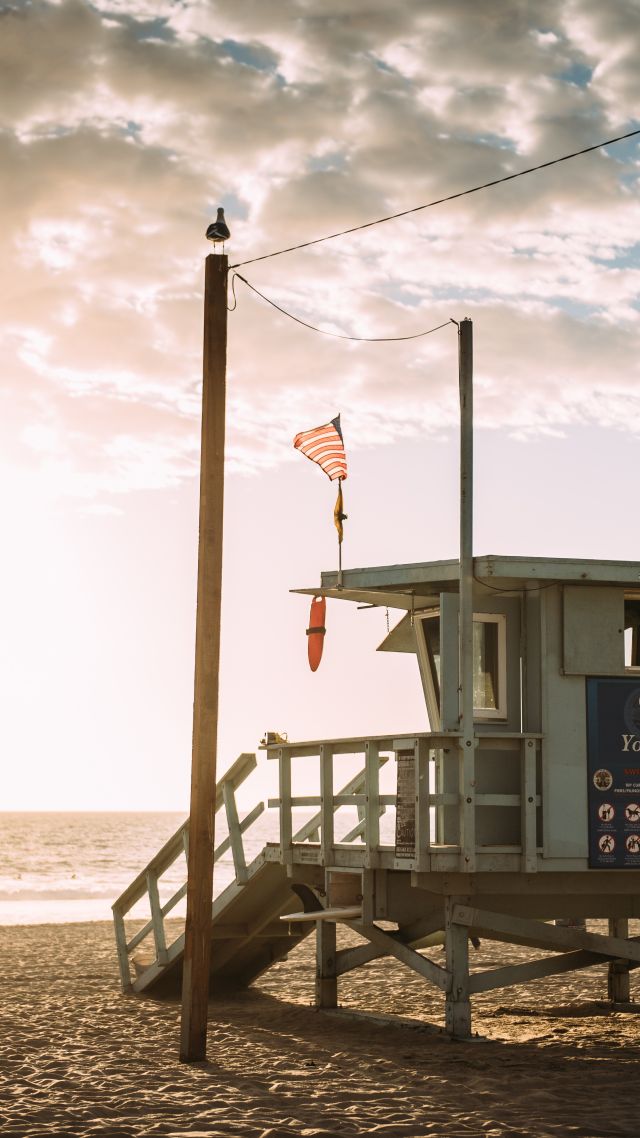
146, 882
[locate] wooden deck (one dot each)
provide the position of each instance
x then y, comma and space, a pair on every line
397, 897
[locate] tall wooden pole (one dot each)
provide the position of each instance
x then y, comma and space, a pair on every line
197, 949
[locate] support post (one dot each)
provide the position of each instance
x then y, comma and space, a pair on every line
618, 980
372, 809
326, 803
197, 949
528, 814
457, 1002
423, 807
326, 975
467, 742
121, 948
286, 814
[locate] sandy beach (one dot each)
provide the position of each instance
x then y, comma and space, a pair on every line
79, 1058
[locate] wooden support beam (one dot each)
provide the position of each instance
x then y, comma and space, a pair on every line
326, 974
197, 951
618, 980
457, 1004
533, 970
420, 964
349, 958
538, 934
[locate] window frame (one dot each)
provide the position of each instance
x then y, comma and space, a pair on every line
430, 681
431, 684
500, 711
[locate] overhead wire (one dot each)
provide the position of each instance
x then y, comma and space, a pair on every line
324, 331
439, 201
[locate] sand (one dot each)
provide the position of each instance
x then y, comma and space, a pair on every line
79, 1058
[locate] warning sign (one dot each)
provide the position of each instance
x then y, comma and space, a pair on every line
613, 737
406, 805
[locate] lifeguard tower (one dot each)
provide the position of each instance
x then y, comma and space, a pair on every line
534, 820
517, 814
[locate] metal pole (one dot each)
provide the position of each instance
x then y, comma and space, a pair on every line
197, 949
465, 343
467, 779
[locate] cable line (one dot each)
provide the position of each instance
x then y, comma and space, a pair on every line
438, 201
338, 335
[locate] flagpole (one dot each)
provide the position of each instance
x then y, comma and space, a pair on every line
197, 946
340, 520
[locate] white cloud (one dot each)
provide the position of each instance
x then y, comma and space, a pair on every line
125, 124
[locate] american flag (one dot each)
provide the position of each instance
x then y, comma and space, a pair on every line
325, 446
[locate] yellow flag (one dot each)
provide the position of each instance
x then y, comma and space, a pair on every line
338, 516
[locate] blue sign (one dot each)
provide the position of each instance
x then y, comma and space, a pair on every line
613, 762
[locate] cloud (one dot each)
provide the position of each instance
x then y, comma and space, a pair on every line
123, 125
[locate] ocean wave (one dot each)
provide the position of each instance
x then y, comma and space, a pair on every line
45, 893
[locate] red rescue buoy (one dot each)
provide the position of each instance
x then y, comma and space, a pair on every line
316, 631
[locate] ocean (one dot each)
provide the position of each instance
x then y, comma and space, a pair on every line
58, 867
61, 867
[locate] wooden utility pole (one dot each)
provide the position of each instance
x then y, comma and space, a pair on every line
197, 949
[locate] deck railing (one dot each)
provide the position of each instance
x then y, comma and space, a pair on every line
419, 804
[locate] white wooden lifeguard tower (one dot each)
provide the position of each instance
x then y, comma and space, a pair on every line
533, 817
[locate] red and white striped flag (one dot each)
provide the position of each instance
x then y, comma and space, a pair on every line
325, 446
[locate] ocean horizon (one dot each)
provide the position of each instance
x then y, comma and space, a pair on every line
67, 866
62, 866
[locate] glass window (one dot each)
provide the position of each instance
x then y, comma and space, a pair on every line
485, 665
427, 629
489, 665
431, 627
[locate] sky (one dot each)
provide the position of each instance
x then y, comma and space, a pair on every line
124, 125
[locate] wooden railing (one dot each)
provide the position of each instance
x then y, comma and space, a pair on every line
420, 803
147, 881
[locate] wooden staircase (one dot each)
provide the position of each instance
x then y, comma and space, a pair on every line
246, 931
